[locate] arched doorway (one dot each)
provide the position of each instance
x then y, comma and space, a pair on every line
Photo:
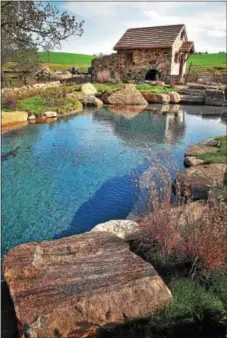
152, 74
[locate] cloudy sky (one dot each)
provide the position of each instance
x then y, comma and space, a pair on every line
105, 22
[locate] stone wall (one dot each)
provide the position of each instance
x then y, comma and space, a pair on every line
215, 98
218, 78
137, 67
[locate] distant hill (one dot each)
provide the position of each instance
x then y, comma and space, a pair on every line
61, 61
208, 62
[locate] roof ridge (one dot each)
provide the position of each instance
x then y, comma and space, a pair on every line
156, 26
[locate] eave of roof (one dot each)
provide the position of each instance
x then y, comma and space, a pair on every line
187, 46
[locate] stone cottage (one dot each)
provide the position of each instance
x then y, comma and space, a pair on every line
148, 53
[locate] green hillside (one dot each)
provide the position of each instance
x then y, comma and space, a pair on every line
208, 63
208, 60
61, 61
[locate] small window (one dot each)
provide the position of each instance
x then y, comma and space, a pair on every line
129, 58
182, 35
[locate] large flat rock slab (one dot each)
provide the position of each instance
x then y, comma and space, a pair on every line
73, 286
14, 117
195, 182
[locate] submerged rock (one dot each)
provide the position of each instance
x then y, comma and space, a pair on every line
76, 285
196, 182
127, 96
121, 228
11, 153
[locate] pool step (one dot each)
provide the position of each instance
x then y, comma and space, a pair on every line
197, 99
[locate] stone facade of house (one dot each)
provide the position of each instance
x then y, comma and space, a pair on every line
137, 67
133, 63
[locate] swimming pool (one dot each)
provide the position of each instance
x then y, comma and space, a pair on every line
66, 177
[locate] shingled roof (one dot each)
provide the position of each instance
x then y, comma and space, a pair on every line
187, 46
149, 37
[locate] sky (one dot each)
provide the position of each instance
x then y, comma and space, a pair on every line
106, 22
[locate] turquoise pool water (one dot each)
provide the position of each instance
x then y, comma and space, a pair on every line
65, 177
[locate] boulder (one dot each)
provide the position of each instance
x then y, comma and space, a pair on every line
105, 97
182, 215
174, 97
73, 286
210, 142
50, 114
190, 161
13, 117
127, 96
88, 89
120, 228
31, 117
196, 182
199, 149
92, 101
156, 98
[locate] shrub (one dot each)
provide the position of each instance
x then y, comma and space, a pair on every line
174, 234
103, 76
10, 100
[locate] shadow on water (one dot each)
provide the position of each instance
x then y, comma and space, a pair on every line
11, 153
117, 197
114, 199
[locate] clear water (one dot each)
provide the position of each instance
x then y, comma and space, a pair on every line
66, 177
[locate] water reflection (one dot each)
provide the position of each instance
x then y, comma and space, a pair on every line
156, 124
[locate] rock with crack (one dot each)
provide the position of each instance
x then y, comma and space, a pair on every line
196, 182
73, 286
127, 96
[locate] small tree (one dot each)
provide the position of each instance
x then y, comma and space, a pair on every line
31, 24
48, 48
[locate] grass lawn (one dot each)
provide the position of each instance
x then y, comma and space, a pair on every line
220, 156
63, 61
208, 63
110, 87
